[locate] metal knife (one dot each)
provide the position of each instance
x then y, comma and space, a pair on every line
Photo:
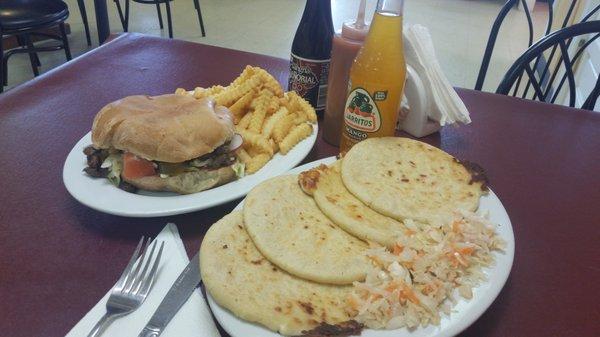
178, 294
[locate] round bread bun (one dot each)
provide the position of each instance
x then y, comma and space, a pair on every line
243, 281
168, 128
407, 179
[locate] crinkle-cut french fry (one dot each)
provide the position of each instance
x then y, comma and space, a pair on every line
282, 127
257, 162
260, 111
284, 101
272, 121
263, 96
272, 106
200, 92
244, 76
245, 121
239, 108
304, 105
181, 91
243, 156
255, 140
215, 90
252, 151
258, 118
274, 145
297, 134
233, 93
269, 82
300, 118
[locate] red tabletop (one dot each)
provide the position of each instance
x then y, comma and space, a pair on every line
58, 257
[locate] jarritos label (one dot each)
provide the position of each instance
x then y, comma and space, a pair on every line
361, 111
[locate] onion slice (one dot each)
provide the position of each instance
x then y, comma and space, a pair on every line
235, 143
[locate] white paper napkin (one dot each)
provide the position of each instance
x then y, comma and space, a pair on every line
443, 105
193, 319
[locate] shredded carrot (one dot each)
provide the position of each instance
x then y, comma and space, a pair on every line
407, 293
466, 251
397, 249
456, 226
353, 302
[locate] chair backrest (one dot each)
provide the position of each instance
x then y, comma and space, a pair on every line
545, 81
506, 8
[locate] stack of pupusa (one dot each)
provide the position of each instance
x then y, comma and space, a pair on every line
289, 259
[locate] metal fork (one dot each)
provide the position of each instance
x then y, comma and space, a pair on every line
132, 288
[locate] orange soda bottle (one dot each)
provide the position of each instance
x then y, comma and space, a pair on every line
376, 79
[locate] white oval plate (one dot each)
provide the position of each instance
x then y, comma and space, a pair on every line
464, 312
101, 195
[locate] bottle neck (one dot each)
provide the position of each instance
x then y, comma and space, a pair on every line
391, 7
321, 8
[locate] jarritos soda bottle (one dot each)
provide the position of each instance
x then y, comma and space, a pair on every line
376, 79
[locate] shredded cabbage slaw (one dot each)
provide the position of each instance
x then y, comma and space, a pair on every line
411, 284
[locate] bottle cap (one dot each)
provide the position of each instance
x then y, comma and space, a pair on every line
356, 30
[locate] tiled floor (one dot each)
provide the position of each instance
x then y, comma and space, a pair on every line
459, 29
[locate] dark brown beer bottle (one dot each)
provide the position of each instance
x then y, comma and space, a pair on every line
311, 53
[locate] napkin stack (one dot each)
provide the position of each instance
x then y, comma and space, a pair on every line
193, 319
430, 100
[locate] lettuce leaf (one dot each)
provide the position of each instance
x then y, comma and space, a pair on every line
239, 169
114, 163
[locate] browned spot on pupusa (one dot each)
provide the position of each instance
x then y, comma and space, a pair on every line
308, 179
307, 307
348, 328
331, 199
477, 173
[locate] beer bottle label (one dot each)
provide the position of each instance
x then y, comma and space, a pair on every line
309, 79
362, 115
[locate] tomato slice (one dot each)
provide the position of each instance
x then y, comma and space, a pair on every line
135, 167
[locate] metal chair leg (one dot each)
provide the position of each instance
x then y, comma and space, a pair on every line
169, 22
84, 18
2, 69
124, 18
27, 44
199, 11
160, 20
127, 14
5, 69
65, 41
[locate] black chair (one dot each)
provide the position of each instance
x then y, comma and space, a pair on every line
86, 25
124, 16
508, 6
546, 84
26, 18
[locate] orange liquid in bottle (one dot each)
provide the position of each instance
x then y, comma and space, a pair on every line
376, 80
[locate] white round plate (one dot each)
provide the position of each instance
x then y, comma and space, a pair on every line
464, 312
101, 195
